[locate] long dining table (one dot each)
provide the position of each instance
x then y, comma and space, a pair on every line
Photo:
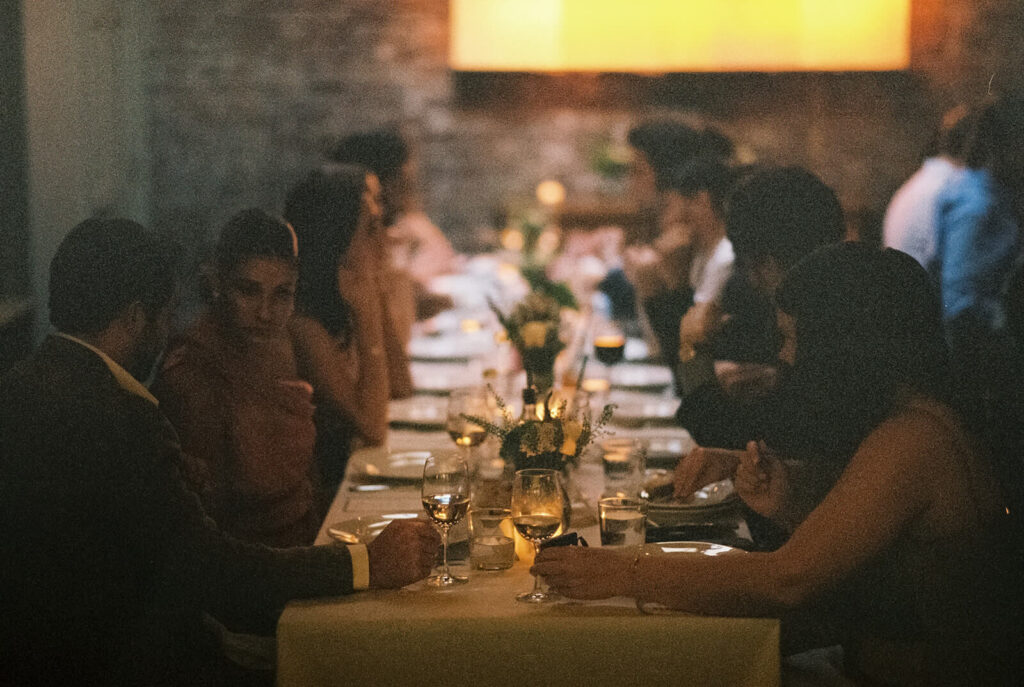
477, 633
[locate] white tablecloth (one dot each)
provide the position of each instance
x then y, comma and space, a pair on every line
477, 634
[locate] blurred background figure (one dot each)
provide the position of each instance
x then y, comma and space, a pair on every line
416, 245
775, 217
231, 388
684, 270
349, 339
912, 214
976, 264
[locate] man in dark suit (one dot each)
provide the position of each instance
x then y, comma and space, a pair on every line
108, 560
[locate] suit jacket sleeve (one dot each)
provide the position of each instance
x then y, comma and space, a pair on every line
204, 565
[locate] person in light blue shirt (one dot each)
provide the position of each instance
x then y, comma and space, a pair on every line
977, 246
978, 255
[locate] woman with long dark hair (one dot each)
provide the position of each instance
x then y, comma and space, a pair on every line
347, 336
231, 388
902, 556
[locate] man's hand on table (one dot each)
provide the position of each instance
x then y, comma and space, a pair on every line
402, 553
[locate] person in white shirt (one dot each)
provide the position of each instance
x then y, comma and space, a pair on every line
910, 223
682, 274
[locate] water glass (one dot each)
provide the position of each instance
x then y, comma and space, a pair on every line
624, 462
491, 546
623, 521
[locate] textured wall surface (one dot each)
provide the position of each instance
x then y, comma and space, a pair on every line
244, 96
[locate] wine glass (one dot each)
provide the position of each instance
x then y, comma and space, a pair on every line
445, 496
538, 505
465, 433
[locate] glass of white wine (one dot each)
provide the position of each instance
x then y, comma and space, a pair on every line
466, 434
538, 506
445, 496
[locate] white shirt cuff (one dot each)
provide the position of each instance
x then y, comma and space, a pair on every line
360, 566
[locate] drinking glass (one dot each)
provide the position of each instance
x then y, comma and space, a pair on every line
624, 462
623, 522
445, 496
538, 506
465, 433
609, 344
490, 538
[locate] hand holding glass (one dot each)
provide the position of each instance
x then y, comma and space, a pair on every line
445, 497
538, 505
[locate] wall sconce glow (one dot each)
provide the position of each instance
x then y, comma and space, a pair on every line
679, 35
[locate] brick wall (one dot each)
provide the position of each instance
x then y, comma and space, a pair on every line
245, 94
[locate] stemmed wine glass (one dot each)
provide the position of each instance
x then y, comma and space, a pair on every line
445, 496
465, 433
538, 504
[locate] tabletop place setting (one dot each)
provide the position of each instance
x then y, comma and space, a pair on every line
505, 461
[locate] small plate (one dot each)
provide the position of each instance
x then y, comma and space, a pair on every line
399, 465
640, 377
714, 495
693, 548
365, 528
715, 502
451, 347
418, 412
440, 378
640, 411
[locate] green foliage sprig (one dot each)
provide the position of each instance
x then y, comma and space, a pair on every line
552, 440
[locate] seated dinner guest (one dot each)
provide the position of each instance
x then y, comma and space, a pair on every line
109, 560
231, 388
776, 216
349, 342
682, 276
903, 557
417, 246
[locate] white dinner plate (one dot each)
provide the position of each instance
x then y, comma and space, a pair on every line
363, 529
441, 378
711, 496
420, 412
453, 347
638, 410
640, 376
692, 548
712, 503
379, 463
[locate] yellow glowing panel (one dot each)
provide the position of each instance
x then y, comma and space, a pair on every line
679, 35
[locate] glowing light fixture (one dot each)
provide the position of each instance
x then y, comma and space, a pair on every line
679, 35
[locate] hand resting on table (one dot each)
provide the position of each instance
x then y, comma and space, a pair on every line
402, 553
